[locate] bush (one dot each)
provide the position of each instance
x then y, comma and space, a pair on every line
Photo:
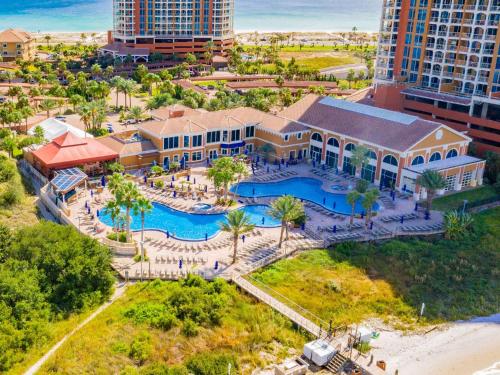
7, 171
159, 184
141, 348
211, 364
120, 237
190, 328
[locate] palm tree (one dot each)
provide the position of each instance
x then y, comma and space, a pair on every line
237, 223
136, 113
142, 206
113, 209
149, 80
126, 195
128, 88
431, 181
352, 198
47, 105
117, 83
286, 209
359, 157
47, 39
369, 200
115, 182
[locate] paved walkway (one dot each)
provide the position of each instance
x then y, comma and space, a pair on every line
120, 289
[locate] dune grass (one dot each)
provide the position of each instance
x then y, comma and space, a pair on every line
455, 201
251, 332
353, 282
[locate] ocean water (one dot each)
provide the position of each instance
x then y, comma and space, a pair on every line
251, 15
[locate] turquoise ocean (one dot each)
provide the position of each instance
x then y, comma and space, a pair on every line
251, 15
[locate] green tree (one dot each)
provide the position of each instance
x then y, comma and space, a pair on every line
457, 224
224, 172
142, 206
237, 223
352, 198
369, 200
113, 209
286, 209
47, 105
431, 181
149, 80
126, 195
136, 113
359, 157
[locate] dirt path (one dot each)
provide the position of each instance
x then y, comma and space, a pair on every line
120, 289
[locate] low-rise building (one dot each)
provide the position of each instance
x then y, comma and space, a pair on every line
16, 44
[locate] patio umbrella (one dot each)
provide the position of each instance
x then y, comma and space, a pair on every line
145, 179
323, 166
194, 180
402, 219
279, 167
314, 163
103, 181
335, 229
168, 234
362, 214
206, 188
275, 161
183, 163
258, 158
188, 177
282, 161
334, 205
88, 210
171, 185
86, 204
246, 151
263, 220
208, 161
416, 206
97, 213
303, 226
253, 169
267, 169
394, 196
216, 266
243, 238
180, 263
324, 201
371, 225
92, 193
151, 184
175, 194
427, 215
173, 178
206, 237
253, 191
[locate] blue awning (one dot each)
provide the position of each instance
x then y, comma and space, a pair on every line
232, 145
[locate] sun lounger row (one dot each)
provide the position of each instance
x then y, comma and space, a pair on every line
345, 236
174, 259
388, 219
422, 228
275, 176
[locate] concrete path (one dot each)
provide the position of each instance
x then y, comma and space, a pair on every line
120, 289
341, 71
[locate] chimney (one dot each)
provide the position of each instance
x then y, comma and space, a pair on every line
176, 114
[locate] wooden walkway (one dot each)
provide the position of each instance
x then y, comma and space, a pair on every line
291, 314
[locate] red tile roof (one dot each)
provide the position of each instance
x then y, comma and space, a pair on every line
68, 150
368, 124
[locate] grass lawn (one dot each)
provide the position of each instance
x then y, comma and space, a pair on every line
325, 62
353, 282
456, 200
251, 332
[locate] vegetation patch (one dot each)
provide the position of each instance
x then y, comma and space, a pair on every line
191, 326
457, 279
474, 197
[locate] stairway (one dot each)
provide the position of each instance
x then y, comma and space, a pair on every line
388, 202
337, 363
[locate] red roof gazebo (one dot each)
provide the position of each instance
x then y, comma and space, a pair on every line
68, 150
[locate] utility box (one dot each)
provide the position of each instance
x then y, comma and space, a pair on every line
319, 352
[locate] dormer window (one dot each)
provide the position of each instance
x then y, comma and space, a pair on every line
287, 137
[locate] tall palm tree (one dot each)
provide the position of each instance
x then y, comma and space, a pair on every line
369, 200
47, 106
136, 113
115, 182
431, 181
237, 223
286, 209
149, 80
113, 209
142, 206
359, 157
352, 198
117, 83
126, 195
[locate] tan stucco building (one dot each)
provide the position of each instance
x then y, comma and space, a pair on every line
16, 44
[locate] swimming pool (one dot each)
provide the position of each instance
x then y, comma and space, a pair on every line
302, 188
191, 227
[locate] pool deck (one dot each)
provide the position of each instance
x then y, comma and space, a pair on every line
260, 246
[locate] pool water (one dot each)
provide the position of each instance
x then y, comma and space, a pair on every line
191, 227
202, 206
301, 188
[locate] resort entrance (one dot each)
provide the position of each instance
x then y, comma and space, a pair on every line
368, 173
316, 154
332, 159
388, 179
348, 167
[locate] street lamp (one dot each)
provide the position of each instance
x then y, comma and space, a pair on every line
465, 204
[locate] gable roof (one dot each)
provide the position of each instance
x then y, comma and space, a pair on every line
53, 128
389, 129
14, 36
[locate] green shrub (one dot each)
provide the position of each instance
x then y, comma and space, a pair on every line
7, 171
212, 364
190, 328
141, 348
120, 237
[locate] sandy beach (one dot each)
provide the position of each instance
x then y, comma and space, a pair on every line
460, 348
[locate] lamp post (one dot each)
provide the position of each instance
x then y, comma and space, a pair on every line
465, 204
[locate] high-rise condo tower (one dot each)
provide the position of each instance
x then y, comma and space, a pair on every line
440, 59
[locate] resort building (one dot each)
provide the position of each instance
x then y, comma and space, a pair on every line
69, 151
319, 130
440, 59
16, 44
170, 27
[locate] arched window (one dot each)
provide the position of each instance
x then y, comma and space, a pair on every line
333, 142
317, 137
350, 147
435, 157
389, 159
451, 154
371, 154
418, 160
